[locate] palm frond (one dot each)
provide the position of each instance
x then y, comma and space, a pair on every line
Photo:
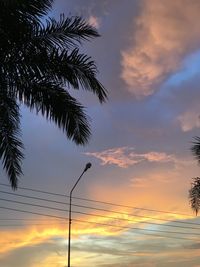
79, 71
67, 32
58, 106
71, 68
10, 145
194, 195
18, 19
33, 8
38, 62
196, 148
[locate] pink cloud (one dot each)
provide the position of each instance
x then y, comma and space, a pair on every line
126, 156
189, 120
94, 21
166, 32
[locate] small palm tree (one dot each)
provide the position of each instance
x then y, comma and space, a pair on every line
194, 192
196, 148
39, 61
194, 195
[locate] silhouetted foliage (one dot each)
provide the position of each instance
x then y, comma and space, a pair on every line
194, 195
39, 62
196, 148
194, 192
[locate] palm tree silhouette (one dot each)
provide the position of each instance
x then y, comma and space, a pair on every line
194, 195
194, 192
39, 61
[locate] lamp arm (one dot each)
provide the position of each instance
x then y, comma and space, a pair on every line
87, 166
76, 183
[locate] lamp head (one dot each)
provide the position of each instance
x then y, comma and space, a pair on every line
87, 166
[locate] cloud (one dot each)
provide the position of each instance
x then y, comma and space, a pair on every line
167, 31
189, 120
126, 156
39, 255
94, 21
29, 235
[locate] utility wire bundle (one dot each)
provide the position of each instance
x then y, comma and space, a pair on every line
178, 227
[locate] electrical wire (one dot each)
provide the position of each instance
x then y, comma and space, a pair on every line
98, 215
90, 214
99, 209
97, 201
104, 224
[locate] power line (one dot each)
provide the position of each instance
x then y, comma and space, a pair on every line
128, 228
99, 209
94, 215
25, 219
32, 205
97, 201
131, 207
36, 198
32, 224
35, 213
36, 190
103, 224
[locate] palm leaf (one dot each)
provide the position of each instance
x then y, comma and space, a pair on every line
18, 18
39, 62
194, 195
70, 68
196, 148
67, 32
78, 70
74, 69
33, 8
10, 145
58, 106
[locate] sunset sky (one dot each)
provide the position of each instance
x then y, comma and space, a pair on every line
148, 58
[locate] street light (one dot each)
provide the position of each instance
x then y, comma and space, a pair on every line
87, 166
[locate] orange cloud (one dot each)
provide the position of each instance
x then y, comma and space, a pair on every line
29, 235
166, 32
51, 260
13, 239
160, 187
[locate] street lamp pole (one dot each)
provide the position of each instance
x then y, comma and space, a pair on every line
87, 166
